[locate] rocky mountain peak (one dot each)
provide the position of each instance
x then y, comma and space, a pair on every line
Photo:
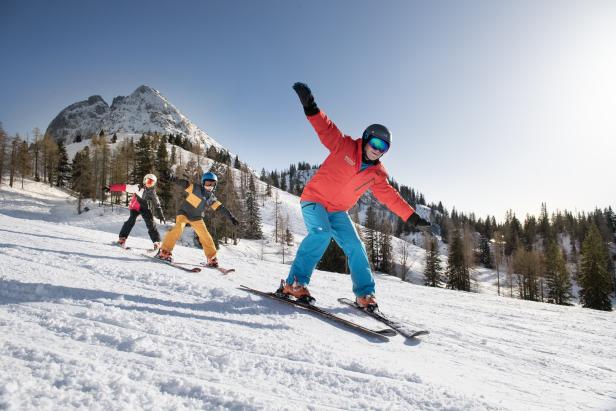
146, 109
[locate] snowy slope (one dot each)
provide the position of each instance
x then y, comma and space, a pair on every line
88, 325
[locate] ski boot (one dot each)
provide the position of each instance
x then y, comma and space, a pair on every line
156, 245
164, 255
122, 242
212, 262
367, 302
298, 291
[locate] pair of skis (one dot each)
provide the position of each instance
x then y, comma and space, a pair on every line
188, 267
395, 327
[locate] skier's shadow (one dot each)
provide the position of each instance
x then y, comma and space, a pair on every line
52, 237
68, 253
16, 292
357, 317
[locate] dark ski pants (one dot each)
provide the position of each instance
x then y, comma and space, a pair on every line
149, 222
322, 226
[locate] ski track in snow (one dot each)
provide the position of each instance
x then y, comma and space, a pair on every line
89, 325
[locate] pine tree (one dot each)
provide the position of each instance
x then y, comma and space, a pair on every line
544, 228
458, 277
163, 185
36, 151
595, 281
227, 194
173, 159
386, 262
433, 270
81, 178
144, 158
513, 233
254, 228
486, 255
63, 172
530, 232
557, 278
371, 236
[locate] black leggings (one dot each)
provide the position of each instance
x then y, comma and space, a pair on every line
149, 222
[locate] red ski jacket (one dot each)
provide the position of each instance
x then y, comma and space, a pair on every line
339, 182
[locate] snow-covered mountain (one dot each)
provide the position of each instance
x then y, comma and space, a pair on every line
86, 325
142, 111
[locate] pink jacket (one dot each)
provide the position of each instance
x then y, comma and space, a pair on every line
134, 189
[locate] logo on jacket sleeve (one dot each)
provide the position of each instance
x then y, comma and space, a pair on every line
349, 160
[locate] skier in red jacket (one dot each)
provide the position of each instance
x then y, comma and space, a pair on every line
352, 167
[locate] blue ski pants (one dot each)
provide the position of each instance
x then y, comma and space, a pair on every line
322, 226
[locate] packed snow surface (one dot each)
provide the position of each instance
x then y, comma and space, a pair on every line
85, 324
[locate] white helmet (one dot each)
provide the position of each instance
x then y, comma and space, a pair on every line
149, 177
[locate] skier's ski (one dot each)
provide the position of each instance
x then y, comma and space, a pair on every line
399, 326
223, 270
381, 334
173, 264
124, 247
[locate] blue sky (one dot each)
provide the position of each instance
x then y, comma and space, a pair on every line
493, 105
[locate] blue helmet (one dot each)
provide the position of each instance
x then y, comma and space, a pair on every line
209, 176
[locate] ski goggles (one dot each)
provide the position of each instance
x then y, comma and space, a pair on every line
209, 183
149, 182
378, 144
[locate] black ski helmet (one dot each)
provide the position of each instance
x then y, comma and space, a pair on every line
378, 131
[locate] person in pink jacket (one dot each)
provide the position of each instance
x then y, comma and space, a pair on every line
143, 202
352, 167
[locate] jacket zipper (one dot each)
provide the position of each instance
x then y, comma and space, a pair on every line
364, 184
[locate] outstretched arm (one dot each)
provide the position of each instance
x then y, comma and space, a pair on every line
183, 181
221, 208
388, 195
120, 188
328, 133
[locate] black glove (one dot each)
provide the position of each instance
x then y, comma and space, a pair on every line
234, 220
416, 221
306, 98
161, 217
106, 189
